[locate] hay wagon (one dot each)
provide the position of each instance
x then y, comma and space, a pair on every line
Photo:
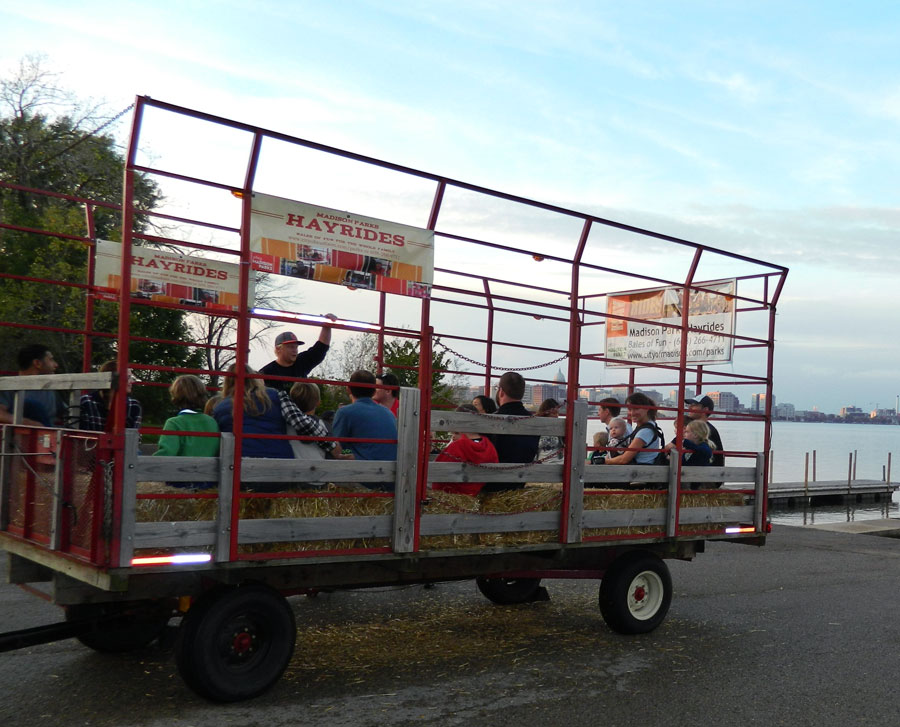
89, 514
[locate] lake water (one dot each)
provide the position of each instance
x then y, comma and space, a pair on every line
833, 443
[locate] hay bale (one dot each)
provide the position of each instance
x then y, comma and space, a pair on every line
531, 498
649, 501
319, 506
441, 502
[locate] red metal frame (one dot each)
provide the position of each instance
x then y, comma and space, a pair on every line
578, 306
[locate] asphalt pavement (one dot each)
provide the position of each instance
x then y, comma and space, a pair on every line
804, 631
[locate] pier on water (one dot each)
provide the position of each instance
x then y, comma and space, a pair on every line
846, 490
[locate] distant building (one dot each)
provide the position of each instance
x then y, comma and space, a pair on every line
725, 401
853, 414
758, 403
784, 411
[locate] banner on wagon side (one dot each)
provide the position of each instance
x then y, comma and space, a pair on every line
169, 277
637, 343
317, 243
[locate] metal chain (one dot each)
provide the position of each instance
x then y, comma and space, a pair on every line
480, 364
92, 133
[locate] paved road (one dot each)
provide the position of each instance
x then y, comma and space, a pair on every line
805, 631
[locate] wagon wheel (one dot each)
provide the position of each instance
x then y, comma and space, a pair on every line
507, 591
120, 627
635, 593
235, 643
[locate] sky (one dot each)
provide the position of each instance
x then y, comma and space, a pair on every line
768, 129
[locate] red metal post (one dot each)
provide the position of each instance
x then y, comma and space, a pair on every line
88, 351
120, 396
488, 338
243, 340
572, 448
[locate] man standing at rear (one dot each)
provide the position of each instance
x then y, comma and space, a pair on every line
44, 407
289, 361
512, 447
700, 410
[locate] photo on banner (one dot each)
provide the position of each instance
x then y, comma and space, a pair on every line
318, 243
635, 343
169, 277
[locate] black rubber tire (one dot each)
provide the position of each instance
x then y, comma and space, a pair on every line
508, 591
235, 643
137, 625
635, 593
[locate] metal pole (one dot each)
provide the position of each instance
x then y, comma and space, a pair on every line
849, 472
814, 466
855, 460
806, 476
889, 468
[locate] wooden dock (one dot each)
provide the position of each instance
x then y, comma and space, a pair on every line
837, 491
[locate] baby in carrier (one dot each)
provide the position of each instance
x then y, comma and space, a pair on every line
617, 439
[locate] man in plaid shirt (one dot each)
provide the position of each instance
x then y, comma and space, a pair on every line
94, 407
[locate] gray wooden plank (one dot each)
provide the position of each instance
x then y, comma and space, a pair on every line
452, 421
465, 472
174, 534
623, 518
405, 485
57, 382
223, 507
460, 523
202, 469
298, 470
315, 528
576, 471
612, 474
177, 469
732, 514
672, 495
129, 497
759, 502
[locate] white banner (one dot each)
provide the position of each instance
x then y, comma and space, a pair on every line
317, 243
169, 277
648, 342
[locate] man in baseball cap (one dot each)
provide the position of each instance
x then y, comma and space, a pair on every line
290, 361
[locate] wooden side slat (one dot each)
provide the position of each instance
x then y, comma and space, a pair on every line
403, 538
57, 382
202, 469
453, 421
315, 528
174, 535
473, 523
223, 507
576, 472
129, 500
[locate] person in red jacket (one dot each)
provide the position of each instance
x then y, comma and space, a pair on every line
466, 447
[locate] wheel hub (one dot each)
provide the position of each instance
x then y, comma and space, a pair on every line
640, 594
243, 642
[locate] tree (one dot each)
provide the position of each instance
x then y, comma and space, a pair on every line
401, 358
49, 141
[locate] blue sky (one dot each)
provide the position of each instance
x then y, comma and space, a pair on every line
769, 129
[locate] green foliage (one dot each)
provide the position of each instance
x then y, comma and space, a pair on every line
401, 358
58, 153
